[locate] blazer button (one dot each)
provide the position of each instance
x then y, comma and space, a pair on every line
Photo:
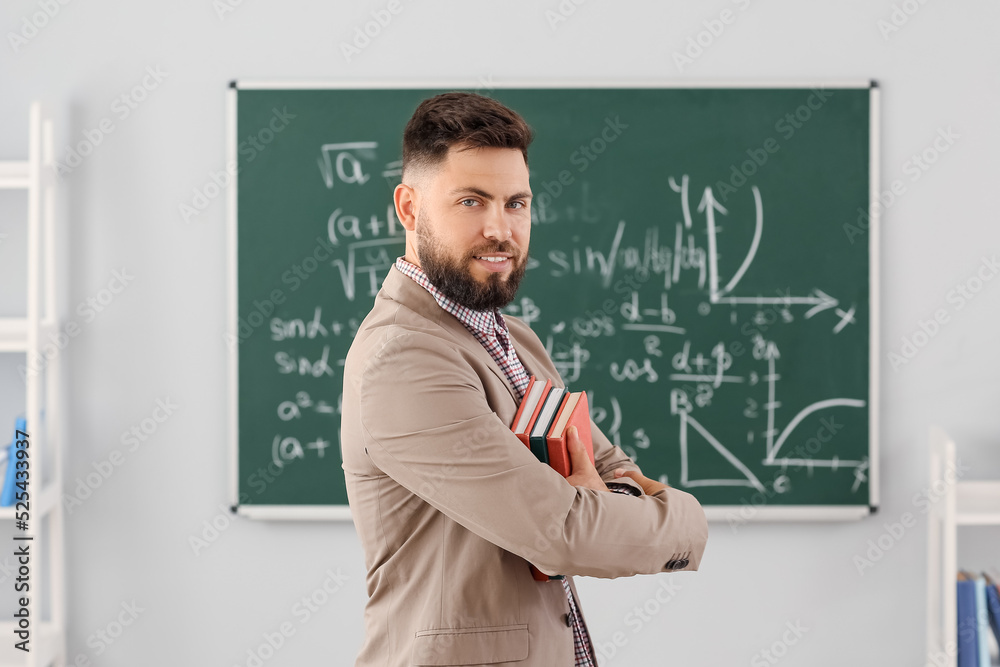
683, 563
671, 564
568, 619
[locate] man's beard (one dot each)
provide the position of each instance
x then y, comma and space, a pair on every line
453, 276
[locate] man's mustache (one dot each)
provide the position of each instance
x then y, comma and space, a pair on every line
503, 248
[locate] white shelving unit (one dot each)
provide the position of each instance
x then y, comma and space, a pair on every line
958, 503
32, 337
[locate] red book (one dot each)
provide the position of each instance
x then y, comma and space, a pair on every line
575, 412
531, 405
524, 401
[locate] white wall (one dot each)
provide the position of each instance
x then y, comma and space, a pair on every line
162, 336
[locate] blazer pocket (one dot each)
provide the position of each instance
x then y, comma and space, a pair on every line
471, 646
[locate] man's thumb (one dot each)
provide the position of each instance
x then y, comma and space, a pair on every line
631, 474
576, 449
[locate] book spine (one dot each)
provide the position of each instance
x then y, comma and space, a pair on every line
968, 641
539, 448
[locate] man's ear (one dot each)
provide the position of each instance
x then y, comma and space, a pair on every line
405, 199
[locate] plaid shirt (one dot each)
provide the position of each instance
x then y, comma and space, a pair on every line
490, 330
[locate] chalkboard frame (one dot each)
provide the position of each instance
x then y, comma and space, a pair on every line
715, 513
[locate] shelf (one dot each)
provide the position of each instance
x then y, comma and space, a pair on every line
44, 646
39, 508
977, 503
14, 175
36, 335
14, 333
972, 503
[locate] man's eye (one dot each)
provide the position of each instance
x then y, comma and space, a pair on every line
468, 202
516, 204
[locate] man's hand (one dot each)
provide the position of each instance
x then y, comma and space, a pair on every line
649, 486
584, 472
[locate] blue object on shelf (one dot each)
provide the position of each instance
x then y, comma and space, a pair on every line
993, 604
968, 625
7, 495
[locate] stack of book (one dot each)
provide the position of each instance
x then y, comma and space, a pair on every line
543, 418
978, 618
542, 422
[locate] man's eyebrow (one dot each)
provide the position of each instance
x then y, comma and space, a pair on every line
486, 195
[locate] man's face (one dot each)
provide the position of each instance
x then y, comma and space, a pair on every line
473, 207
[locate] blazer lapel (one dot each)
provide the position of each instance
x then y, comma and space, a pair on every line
403, 289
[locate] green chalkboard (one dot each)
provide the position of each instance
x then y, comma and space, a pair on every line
701, 264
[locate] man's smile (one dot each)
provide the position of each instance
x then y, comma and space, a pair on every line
495, 263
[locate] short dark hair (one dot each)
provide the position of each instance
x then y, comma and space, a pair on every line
461, 119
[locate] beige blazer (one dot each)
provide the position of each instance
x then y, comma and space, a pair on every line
451, 507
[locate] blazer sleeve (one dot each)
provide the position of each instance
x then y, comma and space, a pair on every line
426, 423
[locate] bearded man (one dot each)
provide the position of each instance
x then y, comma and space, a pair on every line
450, 506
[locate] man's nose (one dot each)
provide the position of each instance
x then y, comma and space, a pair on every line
497, 227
